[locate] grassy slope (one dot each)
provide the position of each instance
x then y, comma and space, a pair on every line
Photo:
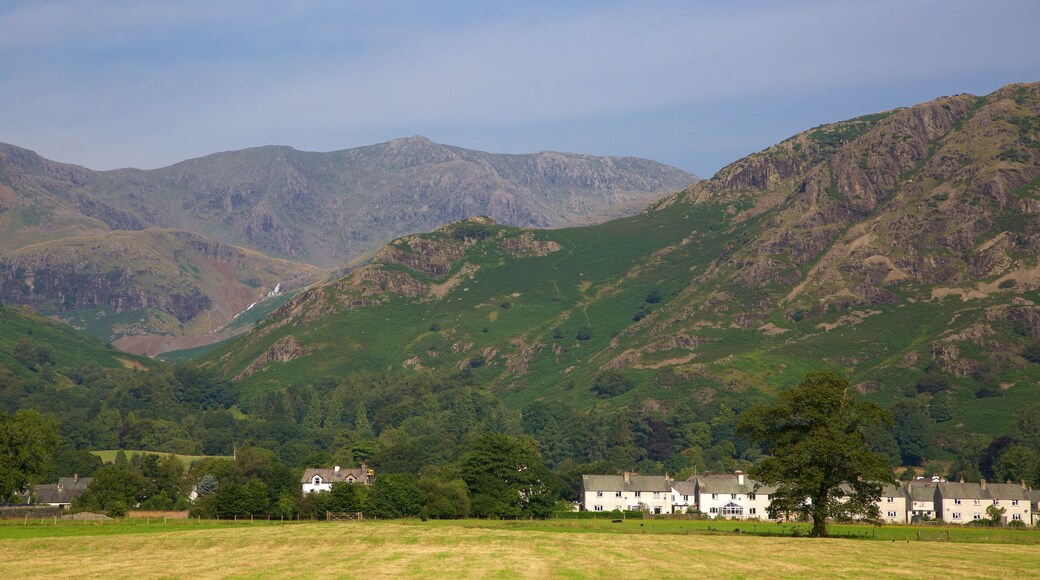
71, 347
483, 549
109, 455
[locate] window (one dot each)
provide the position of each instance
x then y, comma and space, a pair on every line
713, 510
1014, 502
751, 497
686, 498
976, 516
977, 502
956, 502
714, 496
733, 496
956, 515
599, 494
657, 495
599, 508
639, 494
751, 511
1016, 516
317, 480
732, 510
617, 494
891, 514
891, 500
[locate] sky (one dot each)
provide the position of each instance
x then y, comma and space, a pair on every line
695, 84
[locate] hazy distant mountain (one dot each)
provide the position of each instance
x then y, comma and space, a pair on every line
322, 208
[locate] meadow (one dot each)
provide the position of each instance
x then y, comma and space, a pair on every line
475, 548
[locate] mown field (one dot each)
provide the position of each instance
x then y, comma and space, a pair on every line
576, 549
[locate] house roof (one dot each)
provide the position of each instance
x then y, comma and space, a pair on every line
618, 483
685, 487
64, 492
921, 490
330, 475
991, 491
892, 490
952, 490
1006, 491
730, 483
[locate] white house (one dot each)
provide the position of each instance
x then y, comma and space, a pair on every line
894, 504
732, 496
684, 496
961, 503
321, 479
921, 494
629, 491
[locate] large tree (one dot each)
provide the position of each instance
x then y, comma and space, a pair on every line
28, 442
818, 462
506, 477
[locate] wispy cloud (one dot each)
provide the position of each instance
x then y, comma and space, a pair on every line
110, 84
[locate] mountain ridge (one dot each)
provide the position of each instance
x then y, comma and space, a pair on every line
323, 208
885, 246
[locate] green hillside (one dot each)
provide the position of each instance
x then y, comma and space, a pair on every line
891, 247
65, 346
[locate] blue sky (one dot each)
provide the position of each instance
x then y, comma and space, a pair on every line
694, 84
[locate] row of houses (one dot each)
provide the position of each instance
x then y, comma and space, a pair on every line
60, 494
735, 496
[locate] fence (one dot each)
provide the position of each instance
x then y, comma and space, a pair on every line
344, 516
139, 514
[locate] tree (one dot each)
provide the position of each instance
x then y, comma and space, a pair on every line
24, 351
396, 495
911, 431
28, 442
506, 477
818, 463
995, 515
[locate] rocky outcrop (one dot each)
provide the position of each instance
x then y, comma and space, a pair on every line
526, 246
283, 350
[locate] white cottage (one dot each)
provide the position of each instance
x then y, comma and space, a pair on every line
629, 491
321, 479
732, 496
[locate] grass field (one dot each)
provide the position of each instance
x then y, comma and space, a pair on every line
109, 455
568, 549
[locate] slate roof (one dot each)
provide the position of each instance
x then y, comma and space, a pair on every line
685, 487
618, 483
952, 490
329, 474
921, 490
64, 492
1007, 491
729, 483
892, 490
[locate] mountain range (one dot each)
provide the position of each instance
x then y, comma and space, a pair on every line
891, 247
165, 259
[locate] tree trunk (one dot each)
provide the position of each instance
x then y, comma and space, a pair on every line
819, 523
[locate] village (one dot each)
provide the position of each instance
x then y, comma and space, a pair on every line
736, 496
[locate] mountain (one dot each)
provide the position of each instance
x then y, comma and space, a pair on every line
900, 248
322, 208
147, 291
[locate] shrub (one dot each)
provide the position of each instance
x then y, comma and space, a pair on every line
611, 384
584, 333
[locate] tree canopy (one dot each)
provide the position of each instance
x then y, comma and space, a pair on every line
818, 462
27, 445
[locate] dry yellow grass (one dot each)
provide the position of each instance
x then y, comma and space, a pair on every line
439, 550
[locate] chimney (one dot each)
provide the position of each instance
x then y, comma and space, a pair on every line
740, 477
336, 470
982, 483
935, 478
75, 478
628, 477
962, 479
